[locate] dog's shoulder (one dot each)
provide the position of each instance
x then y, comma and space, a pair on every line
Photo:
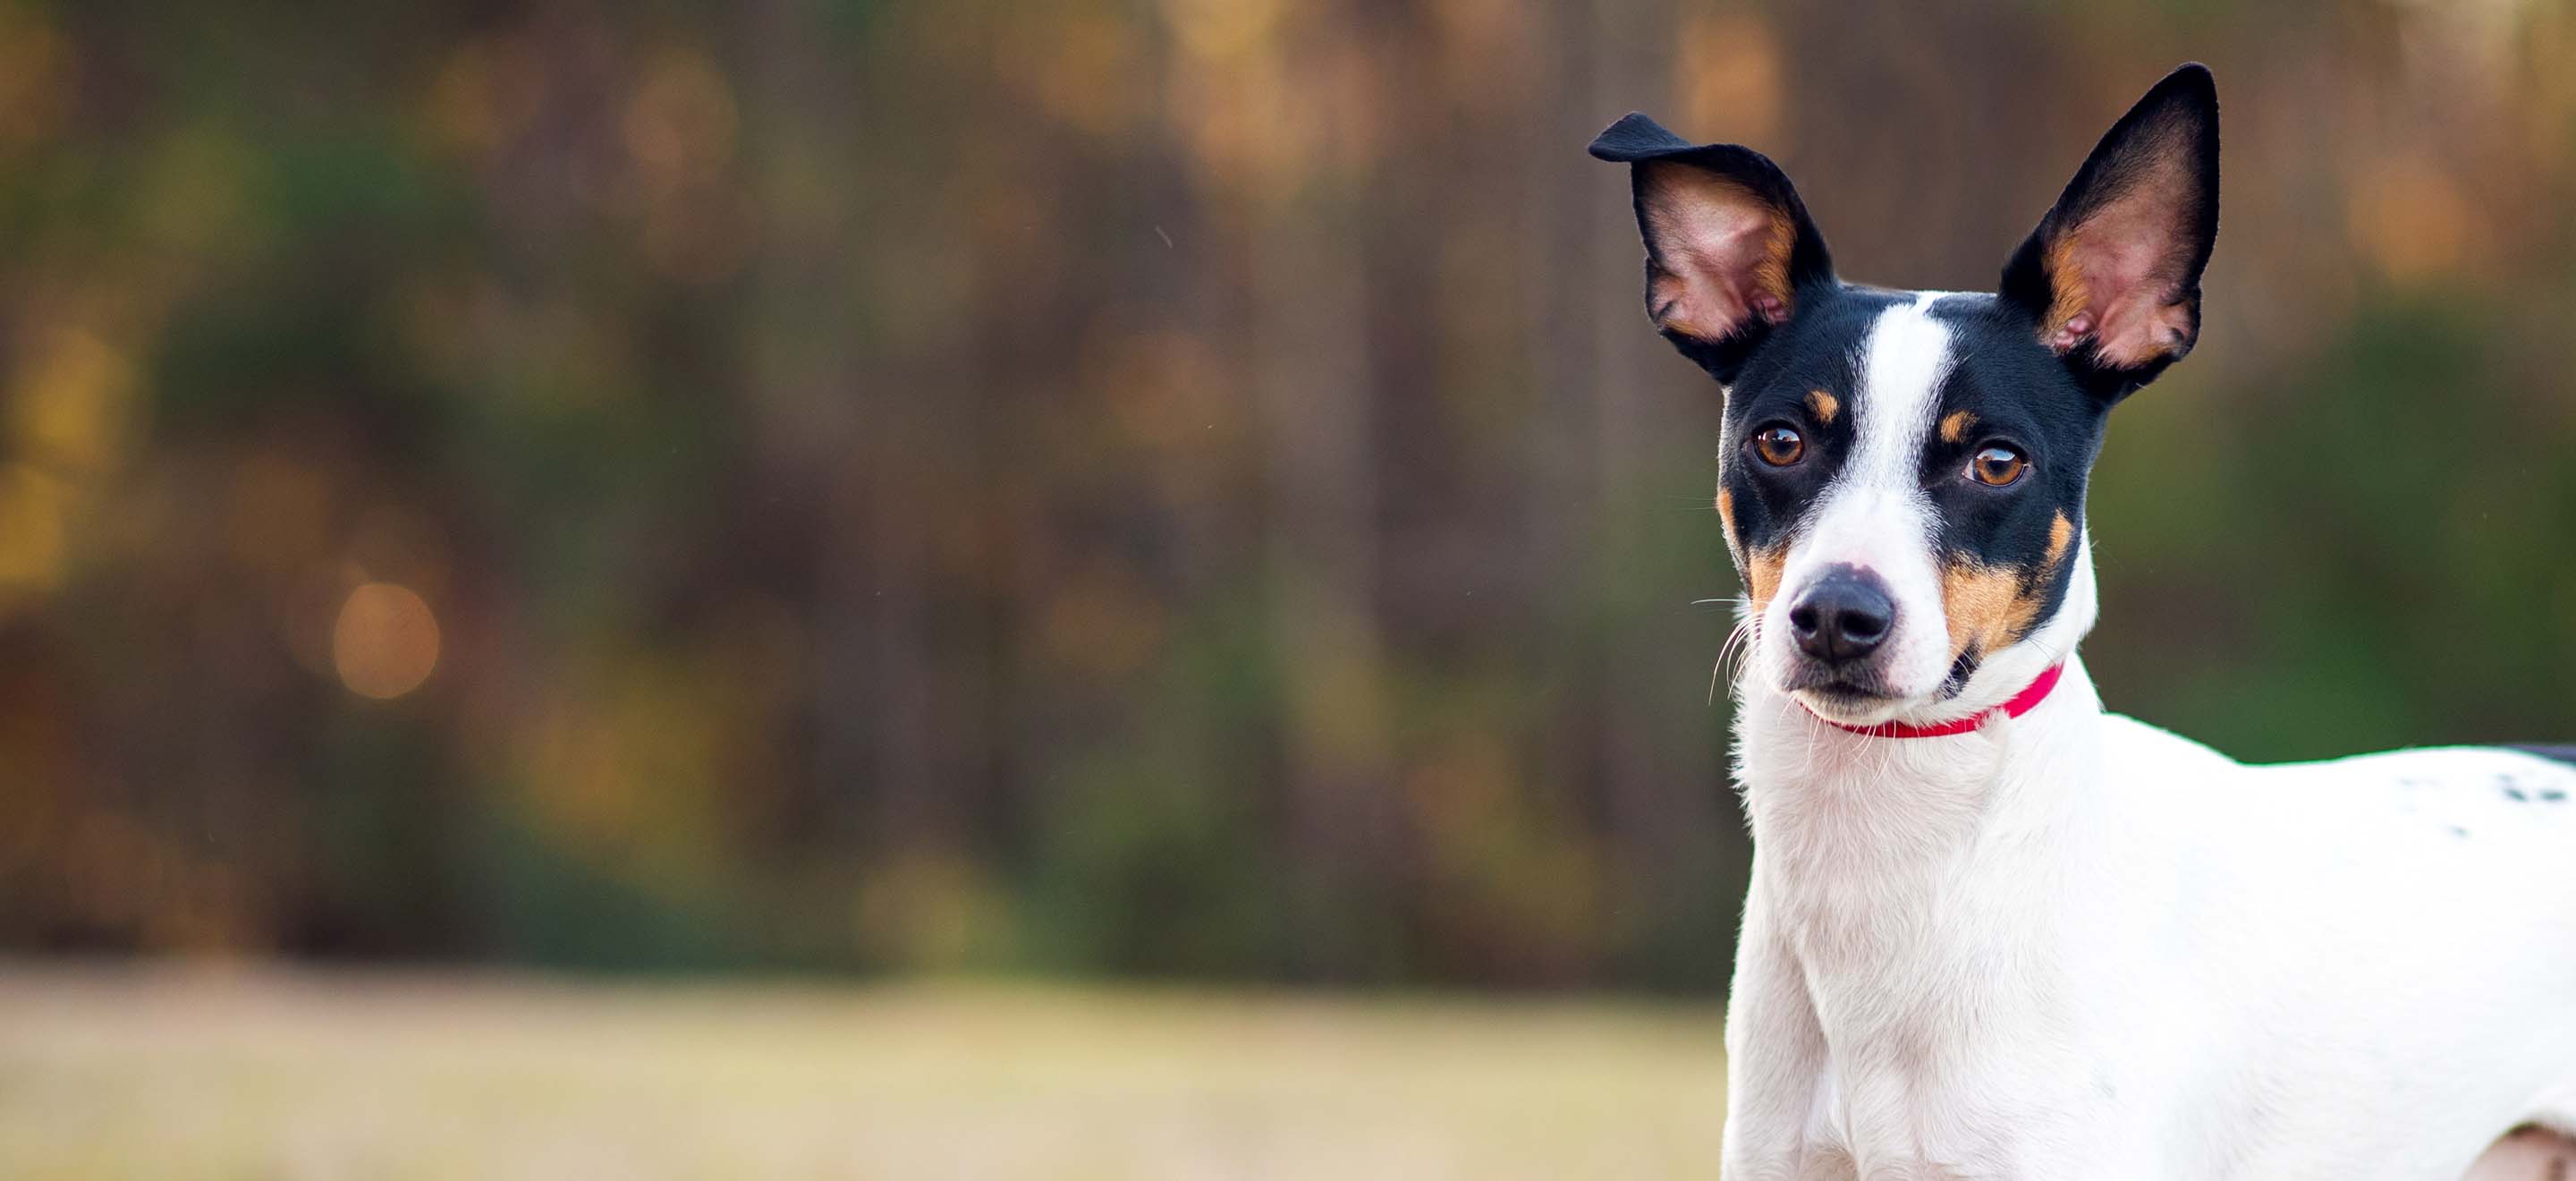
2142, 747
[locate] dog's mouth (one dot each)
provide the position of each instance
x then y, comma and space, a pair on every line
1853, 678
1841, 693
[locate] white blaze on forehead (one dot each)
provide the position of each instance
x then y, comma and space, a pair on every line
1875, 514
1902, 366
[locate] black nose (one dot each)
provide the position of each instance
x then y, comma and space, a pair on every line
1842, 617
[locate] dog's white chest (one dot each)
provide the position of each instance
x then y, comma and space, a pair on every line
1935, 1065
1985, 1117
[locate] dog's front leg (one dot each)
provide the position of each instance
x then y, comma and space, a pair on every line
1775, 1058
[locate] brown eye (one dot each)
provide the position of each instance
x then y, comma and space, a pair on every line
1996, 465
1779, 446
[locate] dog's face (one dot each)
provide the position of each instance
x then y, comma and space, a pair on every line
1903, 483
1902, 478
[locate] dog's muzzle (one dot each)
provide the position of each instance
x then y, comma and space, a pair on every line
1840, 627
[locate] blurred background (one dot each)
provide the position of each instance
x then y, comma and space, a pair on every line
1128, 490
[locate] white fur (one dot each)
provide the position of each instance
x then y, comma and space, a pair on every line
2071, 945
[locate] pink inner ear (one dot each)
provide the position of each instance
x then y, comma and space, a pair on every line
1724, 253
2116, 275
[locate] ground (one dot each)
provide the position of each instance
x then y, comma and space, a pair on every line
273, 1073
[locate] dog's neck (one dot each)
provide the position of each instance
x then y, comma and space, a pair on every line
1858, 838
1803, 776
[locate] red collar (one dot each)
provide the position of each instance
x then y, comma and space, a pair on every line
2023, 702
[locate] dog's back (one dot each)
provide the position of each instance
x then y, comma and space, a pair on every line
2377, 954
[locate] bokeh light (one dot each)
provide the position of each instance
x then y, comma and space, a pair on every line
385, 642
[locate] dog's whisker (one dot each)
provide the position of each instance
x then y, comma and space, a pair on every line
1738, 643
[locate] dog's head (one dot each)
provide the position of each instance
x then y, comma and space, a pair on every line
1902, 478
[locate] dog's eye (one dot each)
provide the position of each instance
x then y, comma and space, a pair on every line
1779, 446
1996, 465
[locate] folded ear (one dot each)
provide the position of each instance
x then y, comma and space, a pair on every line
2112, 274
1729, 248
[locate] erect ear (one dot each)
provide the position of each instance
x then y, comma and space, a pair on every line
2112, 274
1729, 248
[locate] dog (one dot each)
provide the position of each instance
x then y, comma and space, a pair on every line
1993, 930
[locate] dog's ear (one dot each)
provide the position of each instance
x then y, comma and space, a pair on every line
1729, 249
2112, 274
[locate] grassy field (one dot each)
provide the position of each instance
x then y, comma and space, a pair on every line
276, 1074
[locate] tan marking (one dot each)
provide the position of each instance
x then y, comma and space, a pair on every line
1954, 426
1721, 253
2070, 295
1761, 567
1824, 406
1989, 608
1762, 575
1982, 604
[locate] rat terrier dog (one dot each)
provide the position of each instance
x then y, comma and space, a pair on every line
1994, 931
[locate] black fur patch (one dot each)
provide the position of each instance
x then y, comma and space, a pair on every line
1961, 669
2563, 754
1815, 350
2024, 397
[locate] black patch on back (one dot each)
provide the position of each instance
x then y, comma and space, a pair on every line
2563, 754
2546, 795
